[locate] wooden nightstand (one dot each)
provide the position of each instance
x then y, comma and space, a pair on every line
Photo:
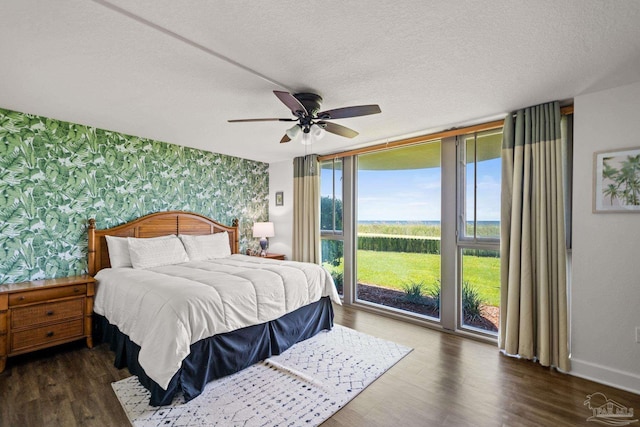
271, 256
44, 313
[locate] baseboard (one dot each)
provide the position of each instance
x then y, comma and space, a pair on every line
605, 375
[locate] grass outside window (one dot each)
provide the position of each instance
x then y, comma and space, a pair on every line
396, 270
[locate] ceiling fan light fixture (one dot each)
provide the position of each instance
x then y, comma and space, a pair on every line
312, 122
312, 133
307, 137
317, 132
293, 131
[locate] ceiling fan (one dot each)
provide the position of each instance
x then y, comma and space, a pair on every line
311, 121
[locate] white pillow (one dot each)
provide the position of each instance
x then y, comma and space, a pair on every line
206, 246
118, 251
155, 252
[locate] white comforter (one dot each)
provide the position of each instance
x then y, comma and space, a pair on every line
166, 309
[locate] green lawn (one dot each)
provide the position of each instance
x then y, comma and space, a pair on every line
484, 274
395, 269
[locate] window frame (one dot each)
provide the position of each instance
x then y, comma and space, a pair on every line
464, 241
461, 192
324, 233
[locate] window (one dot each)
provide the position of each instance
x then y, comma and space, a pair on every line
478, 230
398, 229
331, 221
331, 196
415, 230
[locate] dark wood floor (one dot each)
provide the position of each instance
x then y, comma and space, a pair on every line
445, 381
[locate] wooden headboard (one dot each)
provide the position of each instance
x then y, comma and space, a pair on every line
154, 225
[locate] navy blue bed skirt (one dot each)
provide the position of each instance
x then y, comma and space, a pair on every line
222, 354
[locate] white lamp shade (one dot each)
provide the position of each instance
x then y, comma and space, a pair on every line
293, 131
306, 139
317, 132
263, 229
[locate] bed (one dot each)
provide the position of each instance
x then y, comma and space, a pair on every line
181, 307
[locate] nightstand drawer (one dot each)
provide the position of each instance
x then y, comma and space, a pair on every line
44, 335
45, 313
26, 297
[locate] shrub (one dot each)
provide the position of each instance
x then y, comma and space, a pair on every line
338, 279
471, 302
414, 292
434, 294
421, 245
332, 252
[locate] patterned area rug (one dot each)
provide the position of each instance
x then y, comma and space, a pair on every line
303, 386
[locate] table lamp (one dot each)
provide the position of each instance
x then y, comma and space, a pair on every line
263, 230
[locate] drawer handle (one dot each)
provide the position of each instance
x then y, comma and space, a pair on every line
50, 313
76, 290
49, 334
21, 298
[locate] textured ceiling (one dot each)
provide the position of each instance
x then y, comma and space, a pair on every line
175, 71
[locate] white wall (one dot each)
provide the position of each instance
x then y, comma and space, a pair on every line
281, 179
605, 290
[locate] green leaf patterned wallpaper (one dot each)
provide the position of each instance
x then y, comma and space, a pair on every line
55, 175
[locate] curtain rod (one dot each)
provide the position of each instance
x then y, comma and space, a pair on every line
496, 124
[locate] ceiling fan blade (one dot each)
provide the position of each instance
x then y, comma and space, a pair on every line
338, 129
261, 120
343, 113
291, 102
284, 139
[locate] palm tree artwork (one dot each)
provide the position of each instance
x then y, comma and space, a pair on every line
621, 180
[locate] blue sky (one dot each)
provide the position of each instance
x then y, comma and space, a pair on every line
404, 195
414, 195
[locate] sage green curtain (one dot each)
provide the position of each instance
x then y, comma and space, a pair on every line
306, 209
533, 306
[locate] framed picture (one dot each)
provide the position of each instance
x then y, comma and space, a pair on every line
616, 181
279, 198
